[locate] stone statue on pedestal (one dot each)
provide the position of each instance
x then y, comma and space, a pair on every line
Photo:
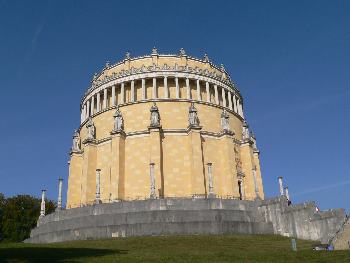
118, 121
225, 125
192, 116
155, 116
245, 131
154, 51
76, 142
91, 130
182, 52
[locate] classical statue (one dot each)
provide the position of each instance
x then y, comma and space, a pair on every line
155, 117
222, 67
206, 58
118, 120
90, 129
245, 131
127, 55
192, 116
154, 51
76, 142
182, 52
225, 125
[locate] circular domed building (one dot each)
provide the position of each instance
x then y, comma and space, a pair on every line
162, 126
163, 149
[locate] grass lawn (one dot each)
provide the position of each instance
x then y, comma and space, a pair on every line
201, 249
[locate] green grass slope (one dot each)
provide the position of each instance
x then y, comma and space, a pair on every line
201, 249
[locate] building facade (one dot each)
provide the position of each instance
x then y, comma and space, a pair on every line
162, 126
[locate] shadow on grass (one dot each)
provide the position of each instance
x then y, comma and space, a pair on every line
52, 255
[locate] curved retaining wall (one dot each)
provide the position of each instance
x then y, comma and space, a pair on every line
151, 217
189, 217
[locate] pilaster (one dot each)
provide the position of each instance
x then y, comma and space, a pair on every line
258, 174
228, 181
74, 192
197, 164
88, 182
247, 168
118, 165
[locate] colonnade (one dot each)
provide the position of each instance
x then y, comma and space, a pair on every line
105, 97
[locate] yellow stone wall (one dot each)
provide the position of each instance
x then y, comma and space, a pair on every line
180, 155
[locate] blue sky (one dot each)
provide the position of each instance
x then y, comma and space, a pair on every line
291, 60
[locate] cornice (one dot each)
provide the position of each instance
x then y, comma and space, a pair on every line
184, 131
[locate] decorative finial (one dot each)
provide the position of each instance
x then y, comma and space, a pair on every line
182, 52
127, 55
154, 51
206, 58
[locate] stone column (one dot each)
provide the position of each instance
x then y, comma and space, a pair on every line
210, 181
198, 90
255, 184
280, 182
92, 111
42, 208
104, 99
81, 115
154, 88
113, 95
223, 94
98, 186
153, 181
98, 102
229, 94
188, 88
207, 91
88, 109
234, 103
84, 109
143, 89
216, 94
287, 192
59, 199
166, 91
122, 93
177, 87
132, 99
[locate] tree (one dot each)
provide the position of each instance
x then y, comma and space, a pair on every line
20, 215
2, 205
